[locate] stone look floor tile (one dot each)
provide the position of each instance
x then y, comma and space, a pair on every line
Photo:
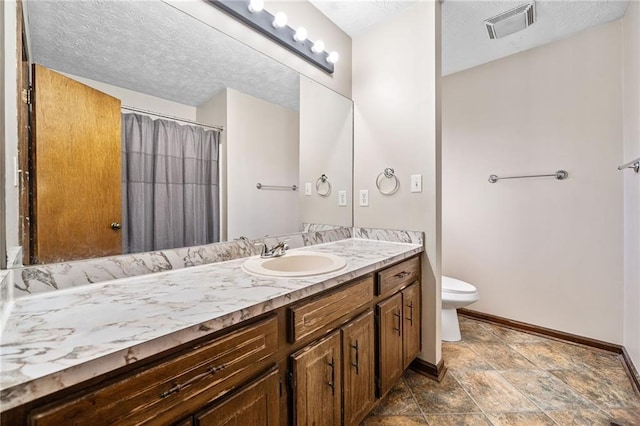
459, 356
545, 390
545, 357
458, 419
508, 335
590, 357
472, 331
394, 421
513, 376
500, 356
625, 417
520, 419
445, 397
492, 392
398, 402
605, 391
581, 417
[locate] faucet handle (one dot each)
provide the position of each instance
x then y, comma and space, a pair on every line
263, 248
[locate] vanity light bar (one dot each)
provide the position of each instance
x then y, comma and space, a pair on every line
264, 22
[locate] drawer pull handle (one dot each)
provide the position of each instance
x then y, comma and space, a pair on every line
356, 364
410, 306
399, 316
402, 274
178, 387
332, 383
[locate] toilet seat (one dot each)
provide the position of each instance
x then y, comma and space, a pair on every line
452, 285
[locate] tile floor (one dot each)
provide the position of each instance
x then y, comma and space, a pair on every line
499, 376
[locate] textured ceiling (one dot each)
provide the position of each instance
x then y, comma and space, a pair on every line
465, 43
153, 48
355, 17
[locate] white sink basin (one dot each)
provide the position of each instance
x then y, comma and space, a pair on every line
295, 264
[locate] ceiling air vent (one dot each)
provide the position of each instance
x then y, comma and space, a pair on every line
511, 21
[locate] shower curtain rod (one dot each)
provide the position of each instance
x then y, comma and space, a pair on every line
157, 114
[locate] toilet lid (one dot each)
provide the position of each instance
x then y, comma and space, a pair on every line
453, 285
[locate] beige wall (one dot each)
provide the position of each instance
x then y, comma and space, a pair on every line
538, 250
10, 134
262, 146
396, 124
631, 149
3, 223
214, 112
300, 13
326, 133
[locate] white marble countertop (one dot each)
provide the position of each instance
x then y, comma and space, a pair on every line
57, 339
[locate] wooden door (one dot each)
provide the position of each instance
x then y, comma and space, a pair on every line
358, 364
411, 336
389, 342
77, 176
255, 404
317, 385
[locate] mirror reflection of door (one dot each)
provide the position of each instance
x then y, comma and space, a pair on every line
76, 157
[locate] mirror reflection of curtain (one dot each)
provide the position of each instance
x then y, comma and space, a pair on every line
170, 184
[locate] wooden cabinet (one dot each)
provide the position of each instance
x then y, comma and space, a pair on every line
335, 376
173, 389
316, 382
255, 404
322, 355
390, 365
411, 323
399, 336
358, 366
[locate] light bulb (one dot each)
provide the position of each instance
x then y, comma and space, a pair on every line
280, 20
333, 57
318, 46
301, 34
256, 6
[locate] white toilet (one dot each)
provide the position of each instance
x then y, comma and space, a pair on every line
455, 294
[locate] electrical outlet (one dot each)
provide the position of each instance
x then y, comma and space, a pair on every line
342, 198
416, 183
364, 198
307, 188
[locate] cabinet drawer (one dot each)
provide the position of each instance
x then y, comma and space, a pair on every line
396, 277
309, 317
173, 389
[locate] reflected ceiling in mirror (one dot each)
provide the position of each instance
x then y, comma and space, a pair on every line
153, 48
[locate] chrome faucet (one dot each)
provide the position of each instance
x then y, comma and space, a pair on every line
276, 251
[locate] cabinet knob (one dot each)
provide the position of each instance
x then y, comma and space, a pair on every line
116, 226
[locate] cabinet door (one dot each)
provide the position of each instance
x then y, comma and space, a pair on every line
411, 322
390, 342
316, 375
255, 404
358, 367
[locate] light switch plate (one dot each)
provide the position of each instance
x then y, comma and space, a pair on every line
364, 198
416, 183
307, 188
342, 198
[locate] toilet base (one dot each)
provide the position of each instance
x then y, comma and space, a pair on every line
450, 326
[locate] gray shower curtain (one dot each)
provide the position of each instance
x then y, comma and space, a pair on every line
170, 184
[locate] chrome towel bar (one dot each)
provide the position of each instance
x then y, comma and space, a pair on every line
560, 175
261, 186
633, 164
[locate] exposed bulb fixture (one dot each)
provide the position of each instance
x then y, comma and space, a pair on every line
333, 57
318, 46
301, 34
256, 6
280, 20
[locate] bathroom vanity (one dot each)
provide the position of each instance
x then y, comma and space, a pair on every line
316, 351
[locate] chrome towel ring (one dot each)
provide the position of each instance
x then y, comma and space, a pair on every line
324, 182
388, 173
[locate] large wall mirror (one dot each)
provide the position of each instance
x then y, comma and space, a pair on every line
158, 82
